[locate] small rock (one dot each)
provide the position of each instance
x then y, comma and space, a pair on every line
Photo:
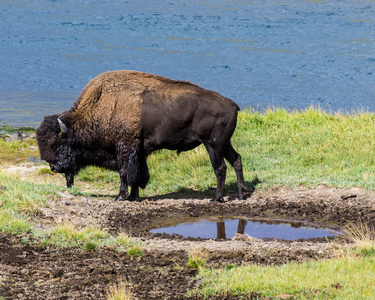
43, 273
31, 136
24, 271
347, 196
57, 273
77, 281
35, 160
87, 270
243, 237
15, 137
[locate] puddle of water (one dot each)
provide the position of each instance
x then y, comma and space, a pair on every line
228, 228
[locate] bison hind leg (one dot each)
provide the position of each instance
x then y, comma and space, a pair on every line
234, 159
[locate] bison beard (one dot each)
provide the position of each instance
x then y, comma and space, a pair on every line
122, 116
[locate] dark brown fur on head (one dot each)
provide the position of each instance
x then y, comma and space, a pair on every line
47, 136
65, 153
56, 147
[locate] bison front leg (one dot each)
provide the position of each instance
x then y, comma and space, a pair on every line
69, 179
123, 195
133, 171
134, 194
138, 174
130, 166
123, 154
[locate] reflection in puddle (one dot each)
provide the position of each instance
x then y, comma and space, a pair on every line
228, 228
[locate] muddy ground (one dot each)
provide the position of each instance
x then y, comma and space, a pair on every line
30, 272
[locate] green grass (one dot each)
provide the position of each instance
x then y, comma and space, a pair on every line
89, 238
24, 196
310, 280
347, 276
12, 222
45, 171
17, 151
134, 251
197, 258
9, 130
66, 234
21, 199
308, 147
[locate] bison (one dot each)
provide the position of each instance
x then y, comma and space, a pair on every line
122, 116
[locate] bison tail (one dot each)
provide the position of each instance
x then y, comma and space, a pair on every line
138, 174
237, 107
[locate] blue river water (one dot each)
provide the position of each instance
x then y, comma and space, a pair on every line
260, 53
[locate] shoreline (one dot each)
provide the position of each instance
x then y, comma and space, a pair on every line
5, 128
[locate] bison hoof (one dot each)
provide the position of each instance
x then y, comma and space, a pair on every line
120, 198
219, 200
242, 197
131, 198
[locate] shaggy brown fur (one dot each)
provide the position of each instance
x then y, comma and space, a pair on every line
114, 100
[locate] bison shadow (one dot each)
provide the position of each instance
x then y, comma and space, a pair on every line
187, 193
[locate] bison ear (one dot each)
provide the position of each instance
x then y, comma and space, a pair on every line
63, 128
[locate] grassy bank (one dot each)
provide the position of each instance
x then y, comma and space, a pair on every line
343, 278
19, 202
347, 276
309, 147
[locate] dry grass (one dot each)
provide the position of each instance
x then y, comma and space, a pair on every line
119, 291
197, 257
361, 237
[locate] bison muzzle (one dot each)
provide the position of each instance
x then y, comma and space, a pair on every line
122, 116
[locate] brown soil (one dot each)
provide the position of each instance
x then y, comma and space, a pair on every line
30, 272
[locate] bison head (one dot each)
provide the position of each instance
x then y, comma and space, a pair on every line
56, 147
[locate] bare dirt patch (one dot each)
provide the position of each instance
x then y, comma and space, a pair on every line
30, 272
24, 170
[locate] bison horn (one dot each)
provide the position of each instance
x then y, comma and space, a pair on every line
64, 129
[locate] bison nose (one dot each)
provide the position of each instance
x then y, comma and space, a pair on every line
53, 168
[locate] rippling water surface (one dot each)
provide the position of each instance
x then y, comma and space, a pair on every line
286, 53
